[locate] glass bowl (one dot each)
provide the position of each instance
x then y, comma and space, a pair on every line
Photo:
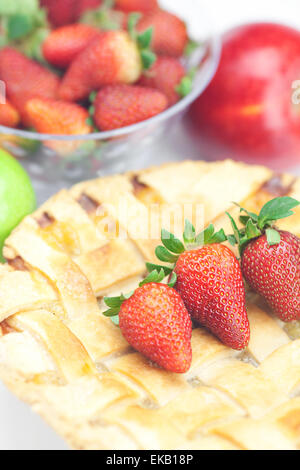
122, 149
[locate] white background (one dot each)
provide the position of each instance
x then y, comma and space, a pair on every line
227, 13
19, 427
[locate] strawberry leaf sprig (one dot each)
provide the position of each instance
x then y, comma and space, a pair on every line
24, 25
172, 247
143, 40
90, 120
103, 17
185, 86
253, 225
115, 303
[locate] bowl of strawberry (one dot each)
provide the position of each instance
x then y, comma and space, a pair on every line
91, 84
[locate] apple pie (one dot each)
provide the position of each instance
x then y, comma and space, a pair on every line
72, 364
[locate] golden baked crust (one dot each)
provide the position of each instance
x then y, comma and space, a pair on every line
61, 355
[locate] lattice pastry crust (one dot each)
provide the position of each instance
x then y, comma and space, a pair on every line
61, 355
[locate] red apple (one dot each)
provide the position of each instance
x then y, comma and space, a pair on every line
247, 111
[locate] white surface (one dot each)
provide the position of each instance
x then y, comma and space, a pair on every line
227, 13
20, 428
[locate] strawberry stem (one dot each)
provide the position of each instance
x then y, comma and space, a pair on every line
143, 40
115, 303
173, 247
256, 225
103, 17
151, 267
133, 20
24, 26
186, 85
191, 47
278, 208
273, 237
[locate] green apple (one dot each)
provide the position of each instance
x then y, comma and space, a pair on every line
17, 197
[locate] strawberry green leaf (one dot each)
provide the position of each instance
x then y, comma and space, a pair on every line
154, 276
173, 280
189, 233
204, 236
133, 20
152, 267
236, 231
217, 237
191, 47
115, 320
278, 208
18, 26
244, 240
24, 26
89, 121
255, 226
144, 39
171, 242
104, 18
148, 58
92, 96
251, 230
164, 255
32, 45
232, 240
273, 236
208, 236
113, 302
185, 87
111, 312
250, 215
208, 233
19, 6
244, 219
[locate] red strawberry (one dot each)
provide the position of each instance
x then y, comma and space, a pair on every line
62, 12
122, 105
209, 280
217, 297
170, 33
57, 117
144, 6
25, 79
156, 323
65, 43
110, 59
9, 116
165, 75
271, 258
